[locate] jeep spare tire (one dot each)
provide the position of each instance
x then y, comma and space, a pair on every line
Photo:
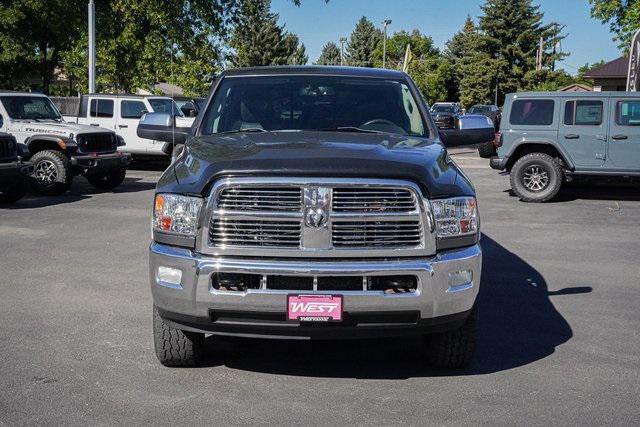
52, 173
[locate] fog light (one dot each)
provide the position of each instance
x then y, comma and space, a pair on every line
169, 277
460, 280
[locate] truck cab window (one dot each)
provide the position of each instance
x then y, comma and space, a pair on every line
628, 113
132, 109
101, 108
583, 113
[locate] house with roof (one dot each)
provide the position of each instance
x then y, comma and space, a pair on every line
611, 76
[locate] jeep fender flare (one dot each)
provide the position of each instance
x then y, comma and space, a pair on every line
522, 144
37, 143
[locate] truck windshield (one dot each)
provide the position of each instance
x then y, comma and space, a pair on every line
30, 108
442, 109
314, 103
164, 105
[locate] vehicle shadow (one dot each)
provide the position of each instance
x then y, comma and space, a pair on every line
518, 325
614, 191
80, 190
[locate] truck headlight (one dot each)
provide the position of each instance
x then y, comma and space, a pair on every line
457, 221
176, 214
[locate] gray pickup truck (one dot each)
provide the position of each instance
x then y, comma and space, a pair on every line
547, 138
314, 202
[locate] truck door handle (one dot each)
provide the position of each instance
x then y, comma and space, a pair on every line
94, 124
571, 136
123, 126
619, 137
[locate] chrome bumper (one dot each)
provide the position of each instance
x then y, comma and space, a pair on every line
438, 294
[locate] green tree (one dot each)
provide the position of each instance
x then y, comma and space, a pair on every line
258, 39
546, 80
585, 69
513, 29
299, 51
330, 54
362, 42
422, 48
623, 17
33, 35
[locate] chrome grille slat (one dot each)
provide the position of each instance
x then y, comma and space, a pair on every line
288, 199
371, 200
376, 234
254, 233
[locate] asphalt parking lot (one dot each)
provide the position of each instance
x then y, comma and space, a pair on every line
559, 339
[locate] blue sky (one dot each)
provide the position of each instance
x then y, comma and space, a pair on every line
316, 23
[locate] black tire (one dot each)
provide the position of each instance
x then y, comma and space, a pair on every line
453, 349
175, 347
107, 180
52, 173
13, 192
486, 150
526, 188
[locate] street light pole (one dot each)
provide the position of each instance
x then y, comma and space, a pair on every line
92, 47
343, 40
386, 23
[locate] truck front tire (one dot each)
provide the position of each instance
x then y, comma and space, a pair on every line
52, 173
453, 349
107, 180
536, 177
175, 347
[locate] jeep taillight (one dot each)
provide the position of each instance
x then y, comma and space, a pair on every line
497, 141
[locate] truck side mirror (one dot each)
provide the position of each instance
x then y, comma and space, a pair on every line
162, 127
470, 129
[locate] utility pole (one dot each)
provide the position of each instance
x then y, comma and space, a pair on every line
386, 23
92, 47
539, 56
343, 40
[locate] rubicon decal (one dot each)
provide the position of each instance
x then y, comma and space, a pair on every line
314, 308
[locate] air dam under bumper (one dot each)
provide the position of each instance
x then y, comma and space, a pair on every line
190, 302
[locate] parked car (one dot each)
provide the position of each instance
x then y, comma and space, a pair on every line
491, 111
14, 172
445, 114
121, 113
60, 150
549, 137
313, 202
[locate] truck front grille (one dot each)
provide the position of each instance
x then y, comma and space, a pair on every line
8, 147
316, 217
97, 142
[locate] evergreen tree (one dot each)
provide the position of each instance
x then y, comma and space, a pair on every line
513, 29
330, 55
257, 38
362, 42
299, 51
422, 48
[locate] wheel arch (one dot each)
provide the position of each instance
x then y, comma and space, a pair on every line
38, 143
528, 147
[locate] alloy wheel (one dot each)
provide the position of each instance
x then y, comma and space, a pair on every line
535, 178
45, 172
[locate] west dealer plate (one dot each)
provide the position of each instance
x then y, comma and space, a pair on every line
314, 308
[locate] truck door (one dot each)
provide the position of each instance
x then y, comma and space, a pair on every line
583, 131
130, 112
624, 134
101, 113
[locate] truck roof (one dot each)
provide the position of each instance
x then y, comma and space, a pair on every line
575, 94
314, 69
18, 93
124, 95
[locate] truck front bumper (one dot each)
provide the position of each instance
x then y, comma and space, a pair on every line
96, 161
440, 302
15, 171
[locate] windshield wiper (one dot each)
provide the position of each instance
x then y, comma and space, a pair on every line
350, 129
247, 130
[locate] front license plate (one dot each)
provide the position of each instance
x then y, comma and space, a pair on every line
314, 308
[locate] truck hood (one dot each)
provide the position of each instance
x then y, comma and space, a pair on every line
315, 154
63, 129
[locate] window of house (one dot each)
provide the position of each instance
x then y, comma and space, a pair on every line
532, 112
101, 108
583, 113
628, 113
